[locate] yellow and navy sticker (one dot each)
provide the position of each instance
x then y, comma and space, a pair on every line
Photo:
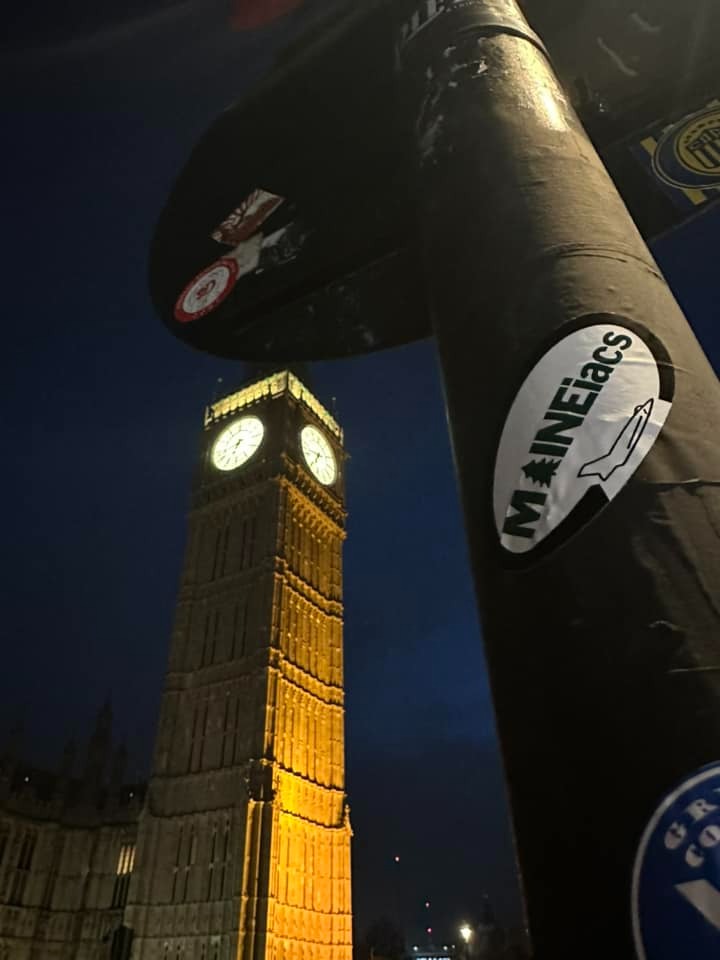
684, 156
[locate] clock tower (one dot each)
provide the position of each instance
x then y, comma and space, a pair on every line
244, 844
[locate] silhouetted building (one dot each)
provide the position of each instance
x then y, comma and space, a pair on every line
67, 847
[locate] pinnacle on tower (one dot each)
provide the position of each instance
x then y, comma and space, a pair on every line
98, 749
67, 761
118, 767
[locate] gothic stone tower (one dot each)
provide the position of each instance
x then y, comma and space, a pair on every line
244, 846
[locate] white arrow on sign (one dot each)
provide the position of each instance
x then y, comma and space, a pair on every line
704, 897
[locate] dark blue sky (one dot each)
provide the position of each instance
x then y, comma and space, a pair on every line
102, 418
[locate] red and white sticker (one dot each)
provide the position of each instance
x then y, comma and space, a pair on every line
207, 291
245, 219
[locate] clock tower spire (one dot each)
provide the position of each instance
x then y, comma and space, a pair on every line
244, 845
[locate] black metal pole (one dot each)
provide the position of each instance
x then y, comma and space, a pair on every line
585, 423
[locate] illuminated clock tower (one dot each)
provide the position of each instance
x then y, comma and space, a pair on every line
244, 845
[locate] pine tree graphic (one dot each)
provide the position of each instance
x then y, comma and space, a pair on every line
541, 471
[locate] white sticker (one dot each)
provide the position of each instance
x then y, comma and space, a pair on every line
581, 424
247, 254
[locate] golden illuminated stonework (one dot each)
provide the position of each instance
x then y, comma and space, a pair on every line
244, 845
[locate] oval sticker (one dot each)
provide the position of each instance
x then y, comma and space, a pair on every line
579, 427
688, 153
676, 877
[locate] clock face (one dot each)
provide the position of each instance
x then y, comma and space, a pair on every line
237, 443
318, 455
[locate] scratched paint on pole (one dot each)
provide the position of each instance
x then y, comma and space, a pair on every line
584, 419
676, 877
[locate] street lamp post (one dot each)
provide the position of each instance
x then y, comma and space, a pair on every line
580, 407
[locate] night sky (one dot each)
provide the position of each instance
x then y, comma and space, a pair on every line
102, 416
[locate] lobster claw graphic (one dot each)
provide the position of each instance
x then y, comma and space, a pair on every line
623, 445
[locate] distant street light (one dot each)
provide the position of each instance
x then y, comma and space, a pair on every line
466, 933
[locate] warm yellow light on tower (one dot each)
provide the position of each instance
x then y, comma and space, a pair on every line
466, 932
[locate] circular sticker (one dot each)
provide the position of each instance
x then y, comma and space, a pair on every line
582, 422
676, 877
688, 153
207, 290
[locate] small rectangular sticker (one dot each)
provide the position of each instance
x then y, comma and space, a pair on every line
245, 219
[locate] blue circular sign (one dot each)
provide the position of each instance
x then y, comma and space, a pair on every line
676, 878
